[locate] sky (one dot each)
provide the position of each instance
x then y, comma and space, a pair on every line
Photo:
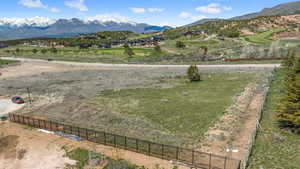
156, 12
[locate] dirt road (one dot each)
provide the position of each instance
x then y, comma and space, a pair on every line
147, 66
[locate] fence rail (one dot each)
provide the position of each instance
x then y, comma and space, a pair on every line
188, 157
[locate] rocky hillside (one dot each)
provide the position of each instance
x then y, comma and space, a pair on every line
290, 23
290, 8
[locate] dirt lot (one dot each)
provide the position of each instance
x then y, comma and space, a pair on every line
24, 148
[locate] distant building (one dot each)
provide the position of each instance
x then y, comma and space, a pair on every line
193, 33
3, 45
104, 45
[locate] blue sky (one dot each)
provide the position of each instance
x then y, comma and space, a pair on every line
158, 12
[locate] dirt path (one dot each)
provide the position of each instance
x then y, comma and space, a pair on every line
45, 150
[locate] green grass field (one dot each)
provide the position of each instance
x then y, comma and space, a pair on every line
262, 37
186, 110
269, 152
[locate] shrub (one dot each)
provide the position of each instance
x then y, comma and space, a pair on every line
180, 44
44, 51
53, 50
193, 73
128, 51
157, 48
34, 51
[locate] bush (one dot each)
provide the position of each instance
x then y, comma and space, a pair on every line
157, 48
180, 44
34, 51
44, 51
128, 51
54, 50
193, 73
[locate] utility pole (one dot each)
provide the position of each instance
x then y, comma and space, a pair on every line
29, 96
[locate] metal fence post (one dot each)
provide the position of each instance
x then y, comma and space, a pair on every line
86, 134
115, 143
177, 153
137, 145
210, 161
149, 148
225, 162
193, 157
162, 151
104, 138
125, 142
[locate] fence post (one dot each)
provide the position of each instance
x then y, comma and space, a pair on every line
137, 145
225, 162
149, 148
39, 123
125, 142
104, 138
115, 143
210, 161
177, 153
86, 134
51, 125
193, 157
78, 131
23, 118
162, 151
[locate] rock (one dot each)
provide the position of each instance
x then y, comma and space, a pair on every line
164, 100
184, 93
278, 138
217, 137
94, 162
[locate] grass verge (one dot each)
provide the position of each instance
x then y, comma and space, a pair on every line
274, 148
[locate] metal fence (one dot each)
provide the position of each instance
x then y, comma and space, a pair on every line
188, 157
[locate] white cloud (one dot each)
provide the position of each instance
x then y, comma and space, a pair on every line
55, 10
138, 10
32, 3
213, 8
144, 10
156, 9
210, 9
186, 15
227, 8
115, 17
78, 4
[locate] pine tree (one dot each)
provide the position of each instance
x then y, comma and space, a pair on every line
289, 107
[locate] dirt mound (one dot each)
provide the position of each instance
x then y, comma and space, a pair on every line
8, 146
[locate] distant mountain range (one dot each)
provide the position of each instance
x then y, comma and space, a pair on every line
14, 28
282, 9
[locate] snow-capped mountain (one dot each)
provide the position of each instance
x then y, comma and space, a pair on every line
17, 28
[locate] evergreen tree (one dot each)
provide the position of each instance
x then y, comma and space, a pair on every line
289, 107
193, 73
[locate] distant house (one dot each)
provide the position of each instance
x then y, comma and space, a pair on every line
193, 33
85, 46
104, 45
3, 45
